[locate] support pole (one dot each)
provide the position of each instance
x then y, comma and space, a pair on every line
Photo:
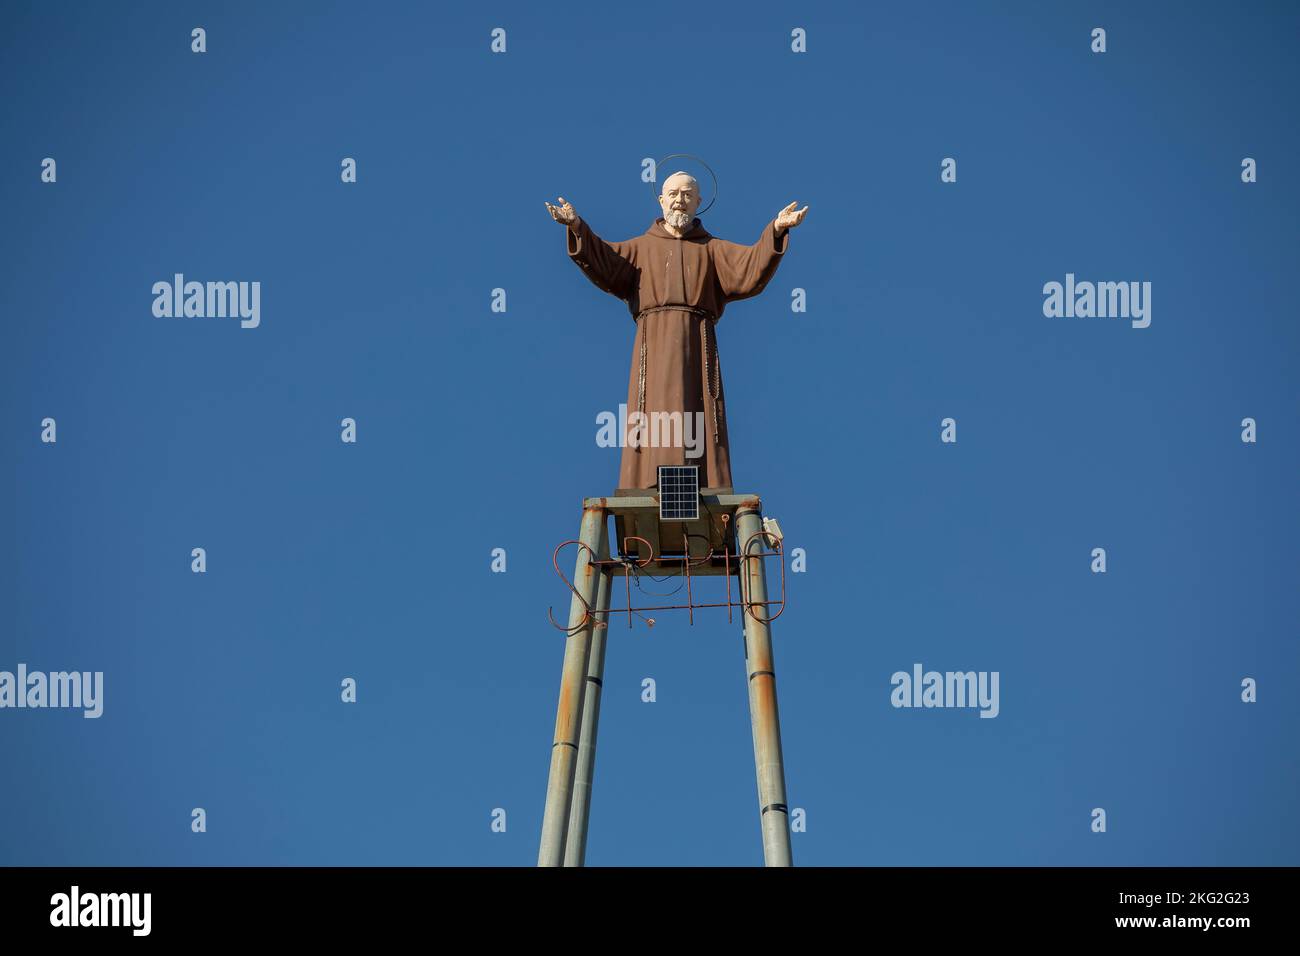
568, 717
575, 851
774, 814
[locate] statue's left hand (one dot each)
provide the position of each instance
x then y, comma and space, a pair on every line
789, 217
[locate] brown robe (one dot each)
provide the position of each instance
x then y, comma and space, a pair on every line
687, 282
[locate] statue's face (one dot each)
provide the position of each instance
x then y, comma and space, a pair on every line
679, 199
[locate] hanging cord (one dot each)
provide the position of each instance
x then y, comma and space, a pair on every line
640, 388
712, 370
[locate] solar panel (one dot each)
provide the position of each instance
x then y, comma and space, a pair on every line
679, 492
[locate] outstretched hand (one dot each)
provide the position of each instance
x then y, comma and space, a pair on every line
564, 212
789, 217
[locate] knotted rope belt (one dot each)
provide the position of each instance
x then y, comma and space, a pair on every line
712, 363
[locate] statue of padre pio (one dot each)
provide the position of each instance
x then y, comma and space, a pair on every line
676, 279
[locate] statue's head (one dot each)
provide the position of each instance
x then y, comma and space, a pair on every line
679, 199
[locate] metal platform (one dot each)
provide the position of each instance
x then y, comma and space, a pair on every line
660, 547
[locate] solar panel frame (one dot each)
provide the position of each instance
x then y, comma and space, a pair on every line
679, 492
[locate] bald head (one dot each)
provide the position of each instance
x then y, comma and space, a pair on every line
679, 199
680, 180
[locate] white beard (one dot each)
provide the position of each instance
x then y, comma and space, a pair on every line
678, 220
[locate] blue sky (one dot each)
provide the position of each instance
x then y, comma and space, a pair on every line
476, 429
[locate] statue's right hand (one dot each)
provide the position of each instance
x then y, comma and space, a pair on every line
563, 213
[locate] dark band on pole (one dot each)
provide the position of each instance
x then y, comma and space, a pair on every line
779, 807
771, 674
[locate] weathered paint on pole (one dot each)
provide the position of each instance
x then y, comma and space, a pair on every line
774, 814
575, 851
568, 717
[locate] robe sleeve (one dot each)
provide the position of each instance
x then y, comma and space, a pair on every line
607, 264
744, 271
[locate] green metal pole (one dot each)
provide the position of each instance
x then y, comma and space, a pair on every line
575, 852
774, 814
568, 717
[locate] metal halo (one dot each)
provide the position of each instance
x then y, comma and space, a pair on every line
655, 184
